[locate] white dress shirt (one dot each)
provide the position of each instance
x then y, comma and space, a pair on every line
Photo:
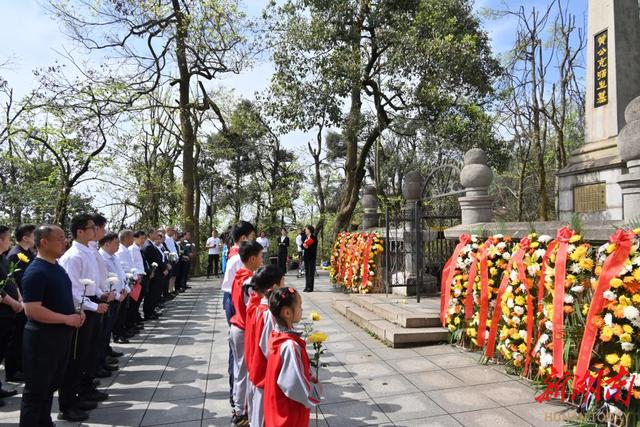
171, 244
113, 266
136, 256
80, 263
233, 265
103, 285
125, 259
264, 242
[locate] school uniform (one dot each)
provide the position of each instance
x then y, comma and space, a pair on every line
237, 340
263, 324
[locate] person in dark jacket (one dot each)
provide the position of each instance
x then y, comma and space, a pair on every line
283, 250
310, 246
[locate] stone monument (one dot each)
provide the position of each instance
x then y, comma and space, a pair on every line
476, 177
588, 185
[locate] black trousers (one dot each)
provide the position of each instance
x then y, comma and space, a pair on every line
6, 329
282, 260
153, 294
133, 313
309, 273
13, 358
83, 361
213, 264
46, 350
181, 281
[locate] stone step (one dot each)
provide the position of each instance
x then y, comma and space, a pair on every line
397, 312
386, 331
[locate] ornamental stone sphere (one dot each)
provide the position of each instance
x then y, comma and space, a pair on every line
629, 138
475, 172
412, 188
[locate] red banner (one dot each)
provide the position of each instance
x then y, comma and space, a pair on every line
447, 276
563, 236
484, 294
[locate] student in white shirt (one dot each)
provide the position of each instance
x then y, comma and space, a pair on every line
264, 241
213, 245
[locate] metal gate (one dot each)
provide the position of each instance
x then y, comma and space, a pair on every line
416, 249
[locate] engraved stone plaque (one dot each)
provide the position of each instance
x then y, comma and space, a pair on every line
590, 198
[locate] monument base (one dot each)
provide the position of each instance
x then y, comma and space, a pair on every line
583, 171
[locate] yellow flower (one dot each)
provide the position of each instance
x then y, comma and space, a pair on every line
457, 321
612, 358
628, 329
585, 309
636, 298
522, 348
575, 238
615, 282
472, 332
586, 264
611, 247
317, 338
520, 300
625, 337
315, 316
626, 361
534, 245
22, 257
624, 301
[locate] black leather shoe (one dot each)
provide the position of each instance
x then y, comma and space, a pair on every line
129, 334
94, 396
73, 415
110, 360
121, 340
95, 383
86, 405
7, 393
114, 353
111, 368
103, 373
2, 403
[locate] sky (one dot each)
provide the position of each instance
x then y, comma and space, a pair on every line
32, 39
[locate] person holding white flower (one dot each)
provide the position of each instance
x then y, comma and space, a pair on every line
154, 254
48, 335
79, 261
142, 267
125, 258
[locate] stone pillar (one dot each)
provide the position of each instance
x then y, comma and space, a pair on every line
629, 148
370, 205
476, 177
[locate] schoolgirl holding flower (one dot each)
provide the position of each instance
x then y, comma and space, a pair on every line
289, 389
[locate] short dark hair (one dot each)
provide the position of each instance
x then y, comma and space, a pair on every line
109, 237
242, 228
125, 233
266, 277
79, 222
311, 229
99, 220
139, 233
249, 248
24, 230
3, 229
280, 298
43, 232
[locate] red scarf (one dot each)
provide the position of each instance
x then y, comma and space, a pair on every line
258, 365
237, 297
249, 334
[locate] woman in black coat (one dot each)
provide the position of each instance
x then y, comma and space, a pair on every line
310, 246
283, 250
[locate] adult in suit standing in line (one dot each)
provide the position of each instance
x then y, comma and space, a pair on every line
283, 250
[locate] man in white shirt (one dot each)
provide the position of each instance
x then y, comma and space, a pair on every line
80, 264
265, 247
141, 266
170, 243
213, 244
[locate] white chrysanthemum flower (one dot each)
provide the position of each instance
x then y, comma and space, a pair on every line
452, 310
510, 303
546, 360
87, 282
631, 313
568, 299
513, 276
627, 346
498, 236
544, 238
113, 280
129, 276
475, 246
457, 292
578, 289
549, 325
540, 252
506, 256
516, 320
486, 335
474, 238
509, 289
593, 282
133, 271
575, 268
609, 295
544, 338
608, 319
501, 245
517, 356
523, 334
571, 248
533, 269
518, 310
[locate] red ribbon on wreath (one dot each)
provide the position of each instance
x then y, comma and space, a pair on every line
447, 276
468, 299
610, 269
367, 254
562, 237
484, 293
516, 259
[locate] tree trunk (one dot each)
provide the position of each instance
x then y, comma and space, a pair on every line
186, 127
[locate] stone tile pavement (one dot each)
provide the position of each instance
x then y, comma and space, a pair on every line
175, 374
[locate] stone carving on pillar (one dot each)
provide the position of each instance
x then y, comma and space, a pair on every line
476, 177
629, 148
370, 205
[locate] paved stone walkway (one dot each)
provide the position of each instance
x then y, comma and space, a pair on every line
175, 374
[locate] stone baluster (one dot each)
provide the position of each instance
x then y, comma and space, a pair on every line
476, 177
370, 205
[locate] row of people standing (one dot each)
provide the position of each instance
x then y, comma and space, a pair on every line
78, 299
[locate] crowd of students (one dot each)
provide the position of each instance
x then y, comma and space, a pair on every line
62, 305
270, 380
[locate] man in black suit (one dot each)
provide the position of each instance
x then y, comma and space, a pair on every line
283, 250
153, 252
